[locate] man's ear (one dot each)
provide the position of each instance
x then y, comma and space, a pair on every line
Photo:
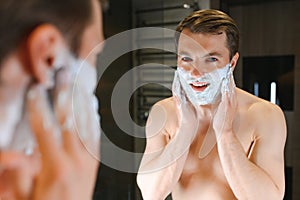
234, 60
44, 45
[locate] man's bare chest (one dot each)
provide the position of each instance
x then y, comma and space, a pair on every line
203, 159
203, 179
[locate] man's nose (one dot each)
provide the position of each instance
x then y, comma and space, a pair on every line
193, 70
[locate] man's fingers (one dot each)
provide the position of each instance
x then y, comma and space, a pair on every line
71, 140
176, 90
62, 96
12, 159
73, 112
42, 123
18, 171
63, 111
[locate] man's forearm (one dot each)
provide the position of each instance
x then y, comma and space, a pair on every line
246, 180
160, 170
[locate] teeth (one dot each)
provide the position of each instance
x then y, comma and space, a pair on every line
197, 84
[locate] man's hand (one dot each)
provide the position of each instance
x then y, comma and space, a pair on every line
68, 170
225, 113
61, 167
188, 118
17, 172
167, 146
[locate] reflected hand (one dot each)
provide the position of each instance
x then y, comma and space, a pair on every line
17, 172
68, 170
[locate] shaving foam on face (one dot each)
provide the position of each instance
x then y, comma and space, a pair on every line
212, 92
85, 103
83, 76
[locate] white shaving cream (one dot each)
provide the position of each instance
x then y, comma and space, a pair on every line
212, 92
84, 102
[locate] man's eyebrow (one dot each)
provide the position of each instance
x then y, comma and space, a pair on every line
214, 53
183, 53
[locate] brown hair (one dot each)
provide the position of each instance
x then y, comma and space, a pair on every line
19, 18
212, 22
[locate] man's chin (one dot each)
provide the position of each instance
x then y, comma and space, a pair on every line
215, 100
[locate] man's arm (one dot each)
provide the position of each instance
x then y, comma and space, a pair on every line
262, 175
165, 152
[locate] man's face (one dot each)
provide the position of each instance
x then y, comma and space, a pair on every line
201, 61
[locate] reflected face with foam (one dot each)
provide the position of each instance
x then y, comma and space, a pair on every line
15, 126
203, 63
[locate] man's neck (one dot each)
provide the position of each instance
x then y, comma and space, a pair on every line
207, 111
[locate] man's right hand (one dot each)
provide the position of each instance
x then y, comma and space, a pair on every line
68, 171
167, 146
188, 115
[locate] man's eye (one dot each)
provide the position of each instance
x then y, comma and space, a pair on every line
186, 59
212, 59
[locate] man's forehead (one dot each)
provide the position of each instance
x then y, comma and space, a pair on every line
188, 44
199, 43
189, 47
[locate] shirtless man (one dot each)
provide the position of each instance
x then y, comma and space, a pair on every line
42, 44
216, 141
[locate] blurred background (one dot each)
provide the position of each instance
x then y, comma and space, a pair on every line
269, 67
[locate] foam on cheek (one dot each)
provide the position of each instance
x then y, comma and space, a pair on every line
86, 76
85, 103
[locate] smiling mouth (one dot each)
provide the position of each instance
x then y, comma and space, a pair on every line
199, 86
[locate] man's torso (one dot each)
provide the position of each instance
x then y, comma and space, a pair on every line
203, 178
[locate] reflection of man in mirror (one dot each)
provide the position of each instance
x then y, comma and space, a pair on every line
216, 141
42, 45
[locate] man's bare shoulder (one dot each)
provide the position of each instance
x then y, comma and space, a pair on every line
167, 104
265, 114
255, 104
